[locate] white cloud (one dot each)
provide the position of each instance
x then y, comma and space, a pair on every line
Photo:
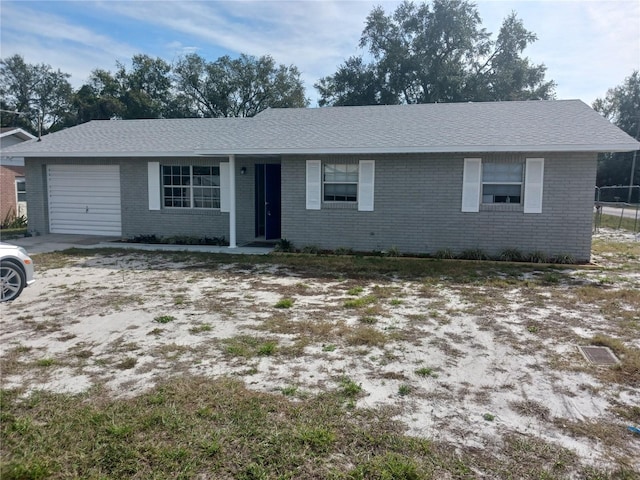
42, 37
588, 46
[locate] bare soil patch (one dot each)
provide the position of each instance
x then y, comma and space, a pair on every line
475, 355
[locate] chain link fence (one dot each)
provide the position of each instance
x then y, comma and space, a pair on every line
621, 203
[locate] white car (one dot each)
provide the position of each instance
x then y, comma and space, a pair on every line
16, 271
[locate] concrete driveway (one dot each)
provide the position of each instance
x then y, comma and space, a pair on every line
56, 241
53, 242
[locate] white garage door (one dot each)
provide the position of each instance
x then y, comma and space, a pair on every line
84, 199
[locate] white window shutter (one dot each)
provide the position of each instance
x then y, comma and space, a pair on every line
366, 181
471, 184
153, 185
314, 184
533, 181
225, 198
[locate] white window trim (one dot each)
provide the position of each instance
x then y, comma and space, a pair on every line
191, 187
482, 184
324, 183
18, 180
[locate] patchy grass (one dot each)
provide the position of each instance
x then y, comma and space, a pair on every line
284, 303
195, 427
164, 319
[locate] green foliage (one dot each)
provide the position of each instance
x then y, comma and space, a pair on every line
284, 303
37, 91
285, 246
240, 87
426, 372
404, 390
473, 254
537, 257
12, 221
349, 388
511, 255
360, 302
444, 254
489, 417
412, 64
621, 106
164, 319
355, 291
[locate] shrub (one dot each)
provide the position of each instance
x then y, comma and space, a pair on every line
310, 249
563, 259
511, 255
284, 245
444, 254
537, 257
392, 252
474, 254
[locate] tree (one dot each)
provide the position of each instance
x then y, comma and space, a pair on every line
621, 106
41, 95
436, 52
145, 91
506, 75
239, 87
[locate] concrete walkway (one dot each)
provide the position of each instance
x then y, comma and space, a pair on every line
56, 241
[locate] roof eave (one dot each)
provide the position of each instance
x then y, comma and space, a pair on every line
594, 148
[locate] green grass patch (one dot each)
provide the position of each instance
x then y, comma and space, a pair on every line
164, 319
615, 222
193, 425
284, 303
360, 302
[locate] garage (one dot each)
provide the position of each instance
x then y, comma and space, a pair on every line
84, 199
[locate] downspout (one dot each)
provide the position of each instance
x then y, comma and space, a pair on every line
232, 201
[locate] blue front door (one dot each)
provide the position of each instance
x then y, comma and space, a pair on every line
268, 201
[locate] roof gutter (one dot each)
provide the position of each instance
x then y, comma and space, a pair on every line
594, 148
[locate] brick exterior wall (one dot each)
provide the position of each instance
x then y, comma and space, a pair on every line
8, 199
417, 206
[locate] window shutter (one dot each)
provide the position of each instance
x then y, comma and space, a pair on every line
224, 187
314, 184
153, 185
533, 180
471, 184
366, 180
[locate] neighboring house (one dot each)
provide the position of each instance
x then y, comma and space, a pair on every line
13, 200
417, 178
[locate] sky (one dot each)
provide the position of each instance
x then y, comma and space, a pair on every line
588, 46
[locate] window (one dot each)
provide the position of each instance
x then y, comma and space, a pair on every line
340, 182
191, 187
502, 182
21, 189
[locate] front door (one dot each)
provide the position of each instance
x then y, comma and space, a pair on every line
268, 201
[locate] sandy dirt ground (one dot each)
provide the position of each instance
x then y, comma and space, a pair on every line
462, 362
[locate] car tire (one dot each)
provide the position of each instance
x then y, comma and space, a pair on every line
12, 280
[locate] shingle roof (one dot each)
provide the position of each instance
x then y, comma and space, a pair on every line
561, 125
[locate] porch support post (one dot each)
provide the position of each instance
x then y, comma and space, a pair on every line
232, 201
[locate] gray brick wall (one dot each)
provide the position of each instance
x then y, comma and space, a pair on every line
417, 206
418, 203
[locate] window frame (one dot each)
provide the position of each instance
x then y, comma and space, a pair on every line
190, 187
521, 183
21, 181
346, 201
